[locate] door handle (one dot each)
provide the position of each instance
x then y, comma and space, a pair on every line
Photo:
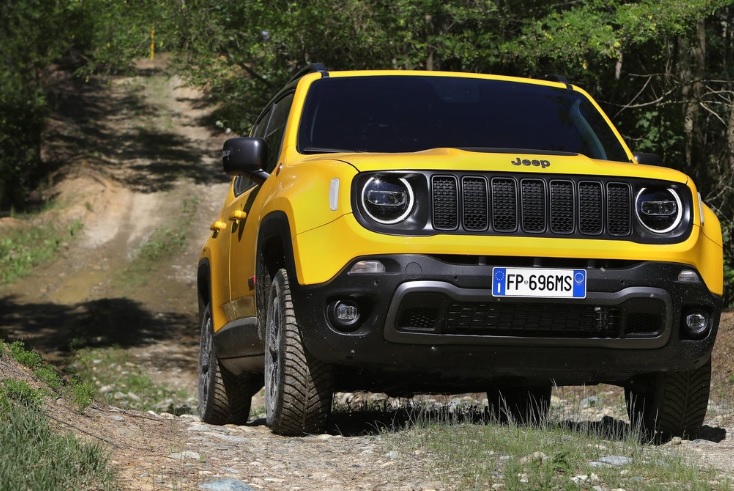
237, 215
218, 226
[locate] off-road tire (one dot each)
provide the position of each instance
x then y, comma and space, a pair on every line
670, 404
522, 405
298, 388
223, 397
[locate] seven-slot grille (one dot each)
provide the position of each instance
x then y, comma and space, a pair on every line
531, 205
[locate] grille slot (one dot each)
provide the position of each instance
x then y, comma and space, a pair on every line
590, 208
619, 209
445, 202
562, 209
475, 203
504, 204
517, 205
533, 205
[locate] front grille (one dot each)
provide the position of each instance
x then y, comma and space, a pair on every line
439, 314
547, 320
542, 205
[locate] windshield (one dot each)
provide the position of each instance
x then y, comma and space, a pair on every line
412, 113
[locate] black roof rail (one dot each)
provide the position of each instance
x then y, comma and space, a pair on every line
554, 77
312, 68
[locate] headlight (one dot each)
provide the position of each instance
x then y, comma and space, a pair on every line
659, 210
387, 199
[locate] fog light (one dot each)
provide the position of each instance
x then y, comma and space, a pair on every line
368, 267
697, 323
688, 276
344, 314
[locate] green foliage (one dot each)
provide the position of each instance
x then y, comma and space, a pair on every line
81, 393
33, 456
112, 377
18, 391
27, 57
22, 249
728, 231
556, 455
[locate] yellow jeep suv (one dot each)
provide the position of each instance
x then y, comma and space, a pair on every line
430, 232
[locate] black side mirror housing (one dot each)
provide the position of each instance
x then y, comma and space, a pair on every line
648, 158
245, 156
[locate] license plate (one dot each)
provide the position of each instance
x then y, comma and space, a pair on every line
537, 282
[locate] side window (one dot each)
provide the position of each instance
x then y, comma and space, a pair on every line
262, 123
276, 128
243, 183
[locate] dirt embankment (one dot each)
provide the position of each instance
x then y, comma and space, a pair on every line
138, 157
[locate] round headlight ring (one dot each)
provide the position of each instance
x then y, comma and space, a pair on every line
661, 203
388, 200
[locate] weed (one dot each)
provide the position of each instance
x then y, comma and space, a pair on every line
23, 249
20, 392
556, 454
32, 456
114, 379
79, 392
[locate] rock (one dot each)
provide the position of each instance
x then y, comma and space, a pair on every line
534, 457
614, 460
186, 454
227, 484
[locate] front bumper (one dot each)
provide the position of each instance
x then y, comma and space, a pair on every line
431, 323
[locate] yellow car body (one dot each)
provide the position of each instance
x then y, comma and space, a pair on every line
317, 215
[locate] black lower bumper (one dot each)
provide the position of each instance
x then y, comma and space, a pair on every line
431, 324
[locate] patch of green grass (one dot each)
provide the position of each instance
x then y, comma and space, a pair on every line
23, 249
552, 456
116, 380
18, 391
73, 389
163, 244
33, 456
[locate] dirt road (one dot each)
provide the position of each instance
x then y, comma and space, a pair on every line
143, 160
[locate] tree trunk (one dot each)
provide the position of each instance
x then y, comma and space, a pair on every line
692, 59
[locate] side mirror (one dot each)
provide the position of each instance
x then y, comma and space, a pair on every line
648, 158
245, 156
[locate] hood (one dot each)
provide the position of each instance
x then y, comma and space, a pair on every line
515, 161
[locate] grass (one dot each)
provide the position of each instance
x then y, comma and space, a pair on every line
469, 452
117, 381
32, 454
163, 244
73, 389
25, 248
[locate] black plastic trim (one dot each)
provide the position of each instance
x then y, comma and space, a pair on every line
477, 295
239, 347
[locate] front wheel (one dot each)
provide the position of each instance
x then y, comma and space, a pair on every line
670, 404
298, 388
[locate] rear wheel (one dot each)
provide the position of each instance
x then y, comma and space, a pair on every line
223, 397
523, 405
670, 404
298, 389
